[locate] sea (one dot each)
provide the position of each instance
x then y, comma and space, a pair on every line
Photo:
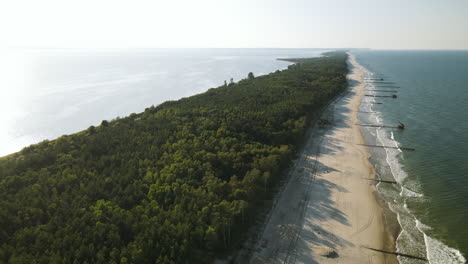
430, 199
47, 93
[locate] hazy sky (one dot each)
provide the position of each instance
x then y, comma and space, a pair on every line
392, 24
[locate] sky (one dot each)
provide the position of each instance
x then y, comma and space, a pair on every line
378, 24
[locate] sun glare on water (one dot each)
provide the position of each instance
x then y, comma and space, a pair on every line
14, 67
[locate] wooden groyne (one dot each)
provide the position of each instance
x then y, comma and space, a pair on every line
383, 126
385, 91
389, 96
382, 82
373, 103
398, 254
367, 112
375, 76
373, 79
386, 86
384, 181
377, 146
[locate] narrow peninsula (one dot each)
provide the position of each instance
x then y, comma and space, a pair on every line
183, 182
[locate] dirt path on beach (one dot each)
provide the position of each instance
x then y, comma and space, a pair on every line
328, 206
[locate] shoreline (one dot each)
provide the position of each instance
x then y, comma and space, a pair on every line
328, 207
389, 218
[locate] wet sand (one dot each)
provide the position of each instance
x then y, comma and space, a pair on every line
328, 211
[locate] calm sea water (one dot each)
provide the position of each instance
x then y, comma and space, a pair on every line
47, 93
431, 199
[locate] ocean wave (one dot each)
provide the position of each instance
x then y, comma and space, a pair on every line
405, 192
392, 156
422, 227
439, 253
392, 136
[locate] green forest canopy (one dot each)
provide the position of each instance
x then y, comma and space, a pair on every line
177, 183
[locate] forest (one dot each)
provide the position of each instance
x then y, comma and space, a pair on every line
177, 183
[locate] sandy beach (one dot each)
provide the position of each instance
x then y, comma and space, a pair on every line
328, 211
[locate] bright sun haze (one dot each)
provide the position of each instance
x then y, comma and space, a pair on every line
242, 24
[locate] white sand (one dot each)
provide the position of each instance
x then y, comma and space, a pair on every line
328, 203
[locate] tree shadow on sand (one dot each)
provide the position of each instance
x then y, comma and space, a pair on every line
293, 225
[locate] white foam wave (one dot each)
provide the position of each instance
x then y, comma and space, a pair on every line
439, 253
392, 159
422, 227
409, 193
392, 136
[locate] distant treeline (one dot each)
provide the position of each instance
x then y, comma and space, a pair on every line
177, 183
